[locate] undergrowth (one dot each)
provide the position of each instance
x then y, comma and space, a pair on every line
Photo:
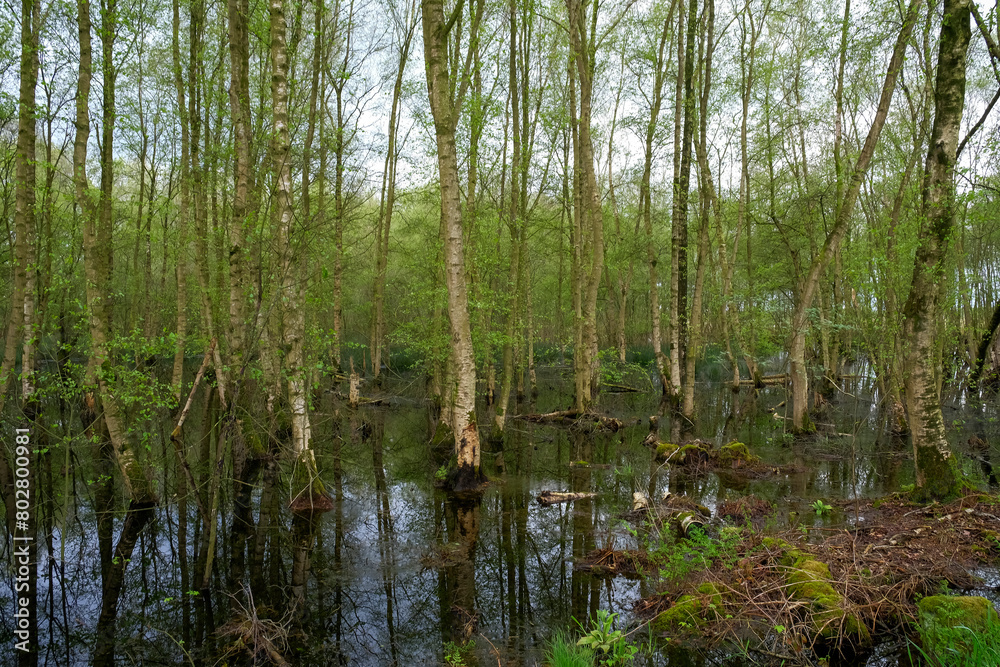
564, 652
679, 558
959, 646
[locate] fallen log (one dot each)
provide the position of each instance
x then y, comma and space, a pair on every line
618, 388
576, 418
766, 380
553, 497
361, 400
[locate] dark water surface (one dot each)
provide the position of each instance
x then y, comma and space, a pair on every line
397, 570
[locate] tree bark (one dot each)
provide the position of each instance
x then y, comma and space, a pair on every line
748, 56
514, 224
938, 474
20, 326
183, 214
983, 348
705, 188
446, 104
674, 330
345, 34
583, 44
307, 489
646, 207
239, 108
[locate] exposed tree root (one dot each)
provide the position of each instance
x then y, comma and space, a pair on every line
264, 639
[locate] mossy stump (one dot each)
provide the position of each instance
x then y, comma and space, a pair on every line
943, 478
736, 454
809, 581
665, 451
691, 611
948, 622
694, 453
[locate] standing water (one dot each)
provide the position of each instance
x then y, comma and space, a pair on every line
398, 572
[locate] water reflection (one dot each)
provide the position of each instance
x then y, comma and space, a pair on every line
398, 570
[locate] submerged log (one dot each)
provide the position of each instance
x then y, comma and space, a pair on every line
575, 418
553, 497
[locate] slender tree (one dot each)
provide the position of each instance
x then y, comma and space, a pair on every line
405, 25
307, 489
660, 61
447, 84
800, 314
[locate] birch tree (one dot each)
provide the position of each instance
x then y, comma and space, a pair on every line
447, 84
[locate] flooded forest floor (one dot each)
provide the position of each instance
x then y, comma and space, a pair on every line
778, 550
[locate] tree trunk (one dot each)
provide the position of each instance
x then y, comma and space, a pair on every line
307, 489
682, 188
339, 148
22, 329
797, 346
197, 175
675, 244
388, 198
646, 207
445, 109
983, 348
748, 55
183, 214
21, 325
514, 223
706, 190
938, 473
239, 106
583, 44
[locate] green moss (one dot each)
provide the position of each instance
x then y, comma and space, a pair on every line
309, 494
255, 446
776, 544
694, 449
807, 426
947, 622
713, 594
943, 477
736, 453
691, 610
686, 610
665, 450
972, 611
443, 439
809, 581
